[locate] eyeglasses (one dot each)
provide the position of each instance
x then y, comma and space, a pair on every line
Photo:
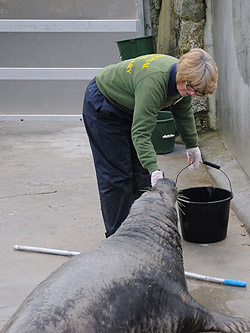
197, 93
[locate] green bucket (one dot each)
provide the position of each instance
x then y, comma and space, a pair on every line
132, 48
163, 136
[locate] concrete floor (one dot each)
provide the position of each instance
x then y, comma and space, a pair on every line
48, 198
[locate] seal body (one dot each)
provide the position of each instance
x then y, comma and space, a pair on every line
134, 281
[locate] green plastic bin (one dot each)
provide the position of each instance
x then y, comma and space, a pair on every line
163, 136
135, 47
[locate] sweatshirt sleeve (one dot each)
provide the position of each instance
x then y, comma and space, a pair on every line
149, 97
185, 122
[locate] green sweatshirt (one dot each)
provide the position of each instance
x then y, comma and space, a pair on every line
140, 86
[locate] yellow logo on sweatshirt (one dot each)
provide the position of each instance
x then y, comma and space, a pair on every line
147, 63
129, 67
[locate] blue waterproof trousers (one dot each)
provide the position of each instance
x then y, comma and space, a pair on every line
120, 176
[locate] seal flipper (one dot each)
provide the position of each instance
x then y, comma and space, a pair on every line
202, 319
205, 320
219, 323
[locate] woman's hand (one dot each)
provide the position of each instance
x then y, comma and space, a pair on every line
156, 175
194, 157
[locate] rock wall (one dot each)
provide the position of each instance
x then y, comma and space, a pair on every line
177, 27
155, 9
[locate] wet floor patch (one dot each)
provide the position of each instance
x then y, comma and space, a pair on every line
214, 297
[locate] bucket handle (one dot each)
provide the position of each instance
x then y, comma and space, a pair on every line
215, 166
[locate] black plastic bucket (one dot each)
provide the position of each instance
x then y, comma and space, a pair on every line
204, 212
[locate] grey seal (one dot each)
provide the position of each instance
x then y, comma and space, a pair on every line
134, 281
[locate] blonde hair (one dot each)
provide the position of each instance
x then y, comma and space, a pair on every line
199, 69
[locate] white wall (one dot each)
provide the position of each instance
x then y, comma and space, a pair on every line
231, 22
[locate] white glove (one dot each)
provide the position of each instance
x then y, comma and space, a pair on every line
194, 157
157, 174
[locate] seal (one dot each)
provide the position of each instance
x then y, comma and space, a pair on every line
134, 281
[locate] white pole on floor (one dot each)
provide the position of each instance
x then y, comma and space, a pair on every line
229, 282
45, 250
